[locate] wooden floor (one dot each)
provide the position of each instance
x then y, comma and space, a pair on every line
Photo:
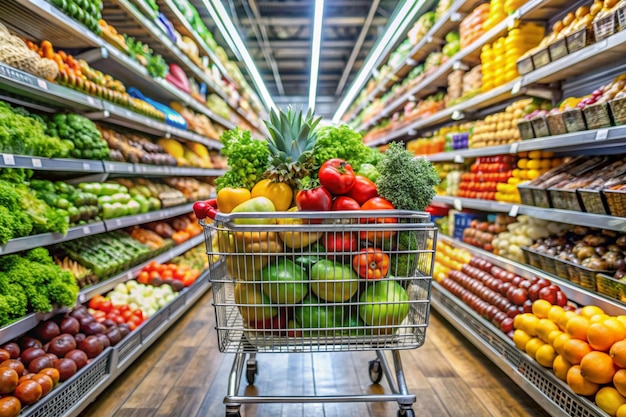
184, 375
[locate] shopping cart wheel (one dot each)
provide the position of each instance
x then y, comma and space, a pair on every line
251, 370
233, 413
406, 412
376, 374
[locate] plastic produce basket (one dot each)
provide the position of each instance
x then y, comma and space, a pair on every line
547, 263
526, 195
556, 124
524, 66
532, 257
540, 126
462, 221
580, 39
541, 58
574, 120
610, 286
586, 276
621, 18
565, 199
618, 110
560, 267
525, 128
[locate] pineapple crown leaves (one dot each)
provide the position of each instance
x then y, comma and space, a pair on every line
292, 135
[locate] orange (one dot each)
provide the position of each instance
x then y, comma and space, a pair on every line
553, 335
622, 318
529, 324
545, 356
618, 353
619, 381
533, 346
609, 400
574, 350
555, 312
599, 318
577, 327
520, 338
541, 308
544, 328
617, 328
564, 318
600, 336
559, 342
621, 411
560, 367
590, 311
518, 320
579, 384
597, 367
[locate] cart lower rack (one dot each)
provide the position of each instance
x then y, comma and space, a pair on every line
321, 282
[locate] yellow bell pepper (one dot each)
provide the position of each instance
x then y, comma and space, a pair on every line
297, 240
228, 198
280, 193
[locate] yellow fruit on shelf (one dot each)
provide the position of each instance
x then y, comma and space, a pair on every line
609, 400
172, 147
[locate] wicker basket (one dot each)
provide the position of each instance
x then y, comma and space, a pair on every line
618, 110
541, 197
574, 120
526, 195
541, 58
593, 201
565, 199
526, 129
605, 27
597, 116
558, 49
610, 286
616, 202
540, 127
579, 39
556, 124
525, 65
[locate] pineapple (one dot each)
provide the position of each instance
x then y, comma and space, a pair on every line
291, 141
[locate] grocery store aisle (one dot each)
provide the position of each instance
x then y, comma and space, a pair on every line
184, 375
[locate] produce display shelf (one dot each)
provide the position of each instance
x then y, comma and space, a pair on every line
75, 394
29, 242
66, 33
564, 216
147, 32
168, 7
569, 66
29, 86
574, 292
25, 324
552, 394
159, 170
533, 10
107, 285
122, 116
151, 216
50, 164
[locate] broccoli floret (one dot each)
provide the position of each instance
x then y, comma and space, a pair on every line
407, 182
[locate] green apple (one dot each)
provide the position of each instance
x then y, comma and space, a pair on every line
252, 303
316, 314
384, 303
333, 281
284, 282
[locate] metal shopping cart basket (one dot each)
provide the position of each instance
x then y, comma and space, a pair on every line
321, 282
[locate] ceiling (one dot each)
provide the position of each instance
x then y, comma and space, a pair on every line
278, 36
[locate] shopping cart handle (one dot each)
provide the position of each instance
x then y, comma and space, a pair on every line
206, 208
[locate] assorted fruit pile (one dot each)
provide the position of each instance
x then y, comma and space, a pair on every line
482, 233
87, 12
486, 173
176, 275
190, 154
134, 148
274, 269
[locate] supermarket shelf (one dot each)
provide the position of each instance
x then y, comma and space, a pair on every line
563, 216
569, 66
175, 16
552, 394
27, 85
151, 216
589, 139
25, 324
109, 284
159, 170
50, 164
29, 242
121, 116
574, 292
533, 10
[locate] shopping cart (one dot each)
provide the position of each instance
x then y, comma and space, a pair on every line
307, 282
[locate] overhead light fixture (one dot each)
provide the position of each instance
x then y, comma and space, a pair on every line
229, 32
397, 27
315, 51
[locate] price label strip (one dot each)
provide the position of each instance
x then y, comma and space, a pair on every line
513, 211
457, 204
602, 134
8, 159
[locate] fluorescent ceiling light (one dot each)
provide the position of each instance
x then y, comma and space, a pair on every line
394, 30
315, 51
230, 33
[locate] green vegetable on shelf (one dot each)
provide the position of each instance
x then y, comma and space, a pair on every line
248, 159
344, 143
82, 132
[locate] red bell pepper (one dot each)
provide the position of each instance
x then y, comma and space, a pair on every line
340, 242
315, 199
337, 176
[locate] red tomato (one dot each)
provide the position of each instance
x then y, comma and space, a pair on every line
138, 313
106, 305
99, 315
134, 320
363, 189
188, 279
340, 242
96, 302
132, 326
316, 199
126, 315
123, 308
167, 274
345, 203
155, 274
337, 176
144, 277
378, 203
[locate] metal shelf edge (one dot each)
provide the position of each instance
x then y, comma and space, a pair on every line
121, 222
